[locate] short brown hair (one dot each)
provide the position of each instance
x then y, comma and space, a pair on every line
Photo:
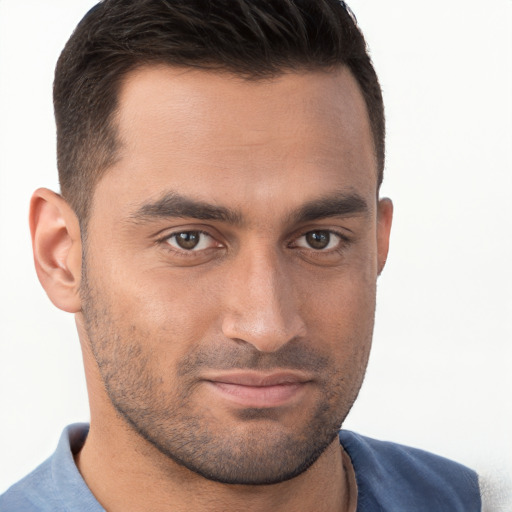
252, 38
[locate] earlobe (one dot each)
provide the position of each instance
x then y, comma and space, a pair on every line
384, 220
57, 248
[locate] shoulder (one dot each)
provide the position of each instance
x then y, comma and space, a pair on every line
56, 485
32, 493
394, 477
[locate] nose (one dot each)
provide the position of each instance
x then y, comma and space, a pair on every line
261, 306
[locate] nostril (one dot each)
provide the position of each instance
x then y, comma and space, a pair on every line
267, 333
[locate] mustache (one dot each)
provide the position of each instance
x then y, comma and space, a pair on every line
241, 355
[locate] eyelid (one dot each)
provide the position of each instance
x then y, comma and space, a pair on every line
164, 240
342, 238
199, 247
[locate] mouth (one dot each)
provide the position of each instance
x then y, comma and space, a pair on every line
259, 390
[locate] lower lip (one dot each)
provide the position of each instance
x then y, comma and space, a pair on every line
259, 396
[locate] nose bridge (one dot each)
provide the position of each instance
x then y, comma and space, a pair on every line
262, 309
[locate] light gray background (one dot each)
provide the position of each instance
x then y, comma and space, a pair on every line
440, 375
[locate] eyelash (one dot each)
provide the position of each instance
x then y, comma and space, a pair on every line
344, 240
183, 252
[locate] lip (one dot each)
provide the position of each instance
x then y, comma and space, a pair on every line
259, 390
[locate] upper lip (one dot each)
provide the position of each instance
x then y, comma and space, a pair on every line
260, 379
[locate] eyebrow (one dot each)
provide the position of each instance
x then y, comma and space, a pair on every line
335, 205
173, 204
176, 205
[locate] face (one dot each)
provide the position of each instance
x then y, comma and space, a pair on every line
230, 266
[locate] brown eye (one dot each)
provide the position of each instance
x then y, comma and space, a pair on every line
191, 240
318, 239
188, 240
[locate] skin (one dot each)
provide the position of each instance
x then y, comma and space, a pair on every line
291, 237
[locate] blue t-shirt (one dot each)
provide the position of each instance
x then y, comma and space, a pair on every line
390, 478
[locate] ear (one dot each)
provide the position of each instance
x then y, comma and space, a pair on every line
384, 220
57, 248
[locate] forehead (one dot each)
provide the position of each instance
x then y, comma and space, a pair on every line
220, 137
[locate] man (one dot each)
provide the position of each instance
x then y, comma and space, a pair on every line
218, 238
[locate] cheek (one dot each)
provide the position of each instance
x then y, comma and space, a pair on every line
339, 312
342, 300
143, 287
151, 313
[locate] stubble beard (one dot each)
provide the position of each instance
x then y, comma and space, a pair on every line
258, 451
